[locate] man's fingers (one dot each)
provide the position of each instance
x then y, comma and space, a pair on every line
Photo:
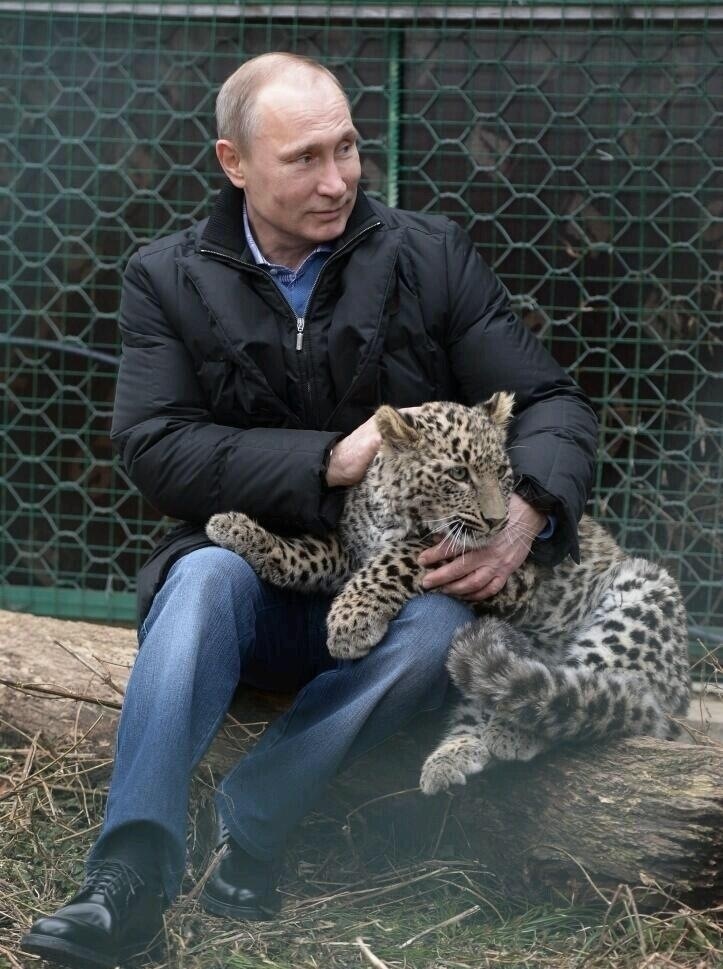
448, 573
456, 572
444, 550
493, 587
410, 410
478, 582
434, 554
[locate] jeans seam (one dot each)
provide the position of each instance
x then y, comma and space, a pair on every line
208, 737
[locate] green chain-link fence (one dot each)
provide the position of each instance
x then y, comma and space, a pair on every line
580, 144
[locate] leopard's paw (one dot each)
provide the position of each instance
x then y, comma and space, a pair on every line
439, 773
350, 634
507, 741
235, 531
452, 763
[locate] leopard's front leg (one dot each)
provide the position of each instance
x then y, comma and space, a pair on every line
306, 563
461, 752
360, 614
476, 738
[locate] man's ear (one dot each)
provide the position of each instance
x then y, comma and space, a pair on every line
231, 161
398, 431
499, 408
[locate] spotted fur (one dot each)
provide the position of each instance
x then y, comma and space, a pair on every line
571, 653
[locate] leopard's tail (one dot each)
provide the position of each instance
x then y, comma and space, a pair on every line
491, 663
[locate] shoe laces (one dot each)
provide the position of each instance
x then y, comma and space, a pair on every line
116, 880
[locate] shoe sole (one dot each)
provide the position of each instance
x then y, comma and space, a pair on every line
67, 953
249, 913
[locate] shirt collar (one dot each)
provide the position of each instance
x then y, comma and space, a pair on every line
259, 257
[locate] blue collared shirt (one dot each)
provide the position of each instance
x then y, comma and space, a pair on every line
295, 284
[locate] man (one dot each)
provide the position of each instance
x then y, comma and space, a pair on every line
256, 347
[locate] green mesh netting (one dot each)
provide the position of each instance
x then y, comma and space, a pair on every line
580, 145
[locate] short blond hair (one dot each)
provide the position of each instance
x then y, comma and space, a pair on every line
236, 114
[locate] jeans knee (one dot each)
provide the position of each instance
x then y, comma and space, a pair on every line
437, 615
214, 571
203, 588
424, 630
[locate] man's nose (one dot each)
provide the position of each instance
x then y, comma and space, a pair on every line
331, 183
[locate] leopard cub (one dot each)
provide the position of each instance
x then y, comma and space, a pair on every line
568, 653
440, 471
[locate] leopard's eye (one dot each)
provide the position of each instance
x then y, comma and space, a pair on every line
459, 474
503, 470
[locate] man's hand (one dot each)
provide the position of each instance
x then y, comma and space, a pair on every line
351, 456
481, 573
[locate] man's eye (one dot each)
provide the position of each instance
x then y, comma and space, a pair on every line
345, 148
304, 159
459, 474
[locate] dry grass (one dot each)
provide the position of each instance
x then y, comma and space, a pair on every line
340, 910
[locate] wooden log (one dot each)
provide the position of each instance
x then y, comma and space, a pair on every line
578, 820
638, 809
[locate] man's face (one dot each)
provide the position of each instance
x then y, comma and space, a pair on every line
301, 173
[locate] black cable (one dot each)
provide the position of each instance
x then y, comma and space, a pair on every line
61, 347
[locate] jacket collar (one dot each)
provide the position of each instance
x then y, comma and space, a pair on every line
225, 228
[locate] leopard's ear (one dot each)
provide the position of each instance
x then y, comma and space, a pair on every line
397, 430
499, 408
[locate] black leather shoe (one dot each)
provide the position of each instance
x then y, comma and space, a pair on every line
115, 918
240, 886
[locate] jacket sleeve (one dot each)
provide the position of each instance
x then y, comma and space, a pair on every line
553, 437
185, 464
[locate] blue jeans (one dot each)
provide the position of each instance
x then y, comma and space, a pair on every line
215, 624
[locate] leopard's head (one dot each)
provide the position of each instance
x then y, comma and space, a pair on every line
446, 468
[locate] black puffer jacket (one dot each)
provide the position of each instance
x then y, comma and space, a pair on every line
217, 410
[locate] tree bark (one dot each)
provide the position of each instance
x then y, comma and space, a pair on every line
622, 812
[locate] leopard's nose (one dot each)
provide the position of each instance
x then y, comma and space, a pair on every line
495, 524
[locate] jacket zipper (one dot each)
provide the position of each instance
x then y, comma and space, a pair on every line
300, 321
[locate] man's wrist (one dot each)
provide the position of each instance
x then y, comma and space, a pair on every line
541, 525
543, 503
329, 474
526, 515
328, 471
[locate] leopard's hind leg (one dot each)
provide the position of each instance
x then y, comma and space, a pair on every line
624, 671
636, 637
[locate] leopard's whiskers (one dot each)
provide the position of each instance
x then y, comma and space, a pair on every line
517, 531
452, 537
462, 538
520, 529
439, 528
444, 541
457, 534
